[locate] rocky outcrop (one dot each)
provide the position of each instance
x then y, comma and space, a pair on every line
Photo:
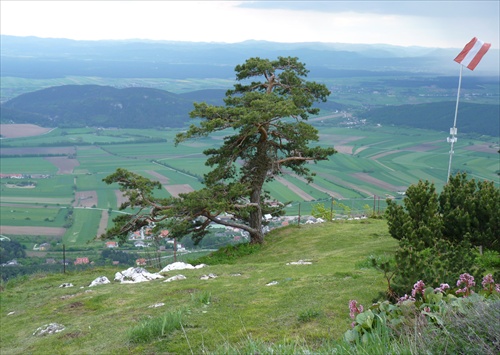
136, 275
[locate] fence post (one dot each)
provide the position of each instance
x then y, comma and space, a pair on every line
299, 215
64, 258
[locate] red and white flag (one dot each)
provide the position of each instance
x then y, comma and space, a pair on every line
472, 53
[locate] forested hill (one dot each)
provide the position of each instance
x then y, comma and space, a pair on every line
472, 118
105, 106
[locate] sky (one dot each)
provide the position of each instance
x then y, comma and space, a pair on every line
428, 23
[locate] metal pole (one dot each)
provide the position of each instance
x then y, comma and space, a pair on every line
64, 258
453, 130
299, 215
331, 211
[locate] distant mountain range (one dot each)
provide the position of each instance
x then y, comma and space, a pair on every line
32, 57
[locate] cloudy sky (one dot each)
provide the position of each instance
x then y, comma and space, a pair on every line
427, 23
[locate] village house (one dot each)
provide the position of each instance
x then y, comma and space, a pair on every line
111, 245
140, 262
81, 261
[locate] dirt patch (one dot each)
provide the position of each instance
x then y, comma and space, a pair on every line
162, 179
85, 199
374, 181
75, 305
103, 224
483, 148
175, 190
302, 194
63, 164
319, 188
22, 230
120, 198
344, 149
22, 130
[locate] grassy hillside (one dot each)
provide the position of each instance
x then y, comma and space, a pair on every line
308, 304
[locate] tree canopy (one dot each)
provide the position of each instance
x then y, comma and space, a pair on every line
265, 116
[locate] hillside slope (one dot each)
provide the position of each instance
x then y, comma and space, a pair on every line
104, 106
234, 306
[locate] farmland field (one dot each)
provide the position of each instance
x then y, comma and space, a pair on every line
373, 163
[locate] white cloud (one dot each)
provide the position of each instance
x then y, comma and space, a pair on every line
409, 23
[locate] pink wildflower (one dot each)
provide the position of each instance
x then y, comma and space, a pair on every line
405, 298
497, 288
442, 288
419, 287
468, 282
354, 308
488, 282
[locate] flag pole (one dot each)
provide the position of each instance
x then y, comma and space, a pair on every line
453, 130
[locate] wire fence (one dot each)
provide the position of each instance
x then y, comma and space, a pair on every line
339, 208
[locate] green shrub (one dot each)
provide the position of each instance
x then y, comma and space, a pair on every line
308, 315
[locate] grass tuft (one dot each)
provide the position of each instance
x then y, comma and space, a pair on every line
155, 328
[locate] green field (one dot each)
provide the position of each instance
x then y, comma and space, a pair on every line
372, 163
84, 228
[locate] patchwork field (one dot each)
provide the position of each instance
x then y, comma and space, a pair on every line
373, 163
22, 130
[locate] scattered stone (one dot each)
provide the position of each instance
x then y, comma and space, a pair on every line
209, 276
136, 275
101, 280
65, 297
179, 265
49, 329
175, 278
11, 313
66, 285
300, 262
157, 305
272, 283
237, 274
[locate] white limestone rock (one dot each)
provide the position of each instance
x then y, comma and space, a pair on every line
179, 265
48, 329
101, 280
136, 275
175, 278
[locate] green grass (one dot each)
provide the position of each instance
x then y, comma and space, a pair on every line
84, 228
28, 216
307, 306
